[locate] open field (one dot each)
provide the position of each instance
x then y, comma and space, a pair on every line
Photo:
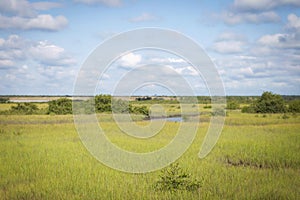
256, 157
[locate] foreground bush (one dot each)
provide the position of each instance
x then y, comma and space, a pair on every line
173, 178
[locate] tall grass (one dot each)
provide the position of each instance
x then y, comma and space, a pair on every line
42, 157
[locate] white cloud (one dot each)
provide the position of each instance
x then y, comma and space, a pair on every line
111, 3
255, 5
42, 22
293, 22
12, 42
230, 36
15, 49
272, 40
167, 60
270, 63
130, 60
228, 46
286, 40
143, 17
187, 70
21, 14
35, 67
246, 71
176, 60
183, 71
232, 18
230, 43
45, 5
50, 54
6, 63
17, 7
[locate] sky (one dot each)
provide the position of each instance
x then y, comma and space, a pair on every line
253, 44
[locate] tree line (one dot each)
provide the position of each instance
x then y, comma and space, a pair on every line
63, 106
268, 102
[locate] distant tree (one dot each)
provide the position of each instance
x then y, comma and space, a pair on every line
233, 105
103, 103
4, 99
267, 103
60, 106
294, 106
143, 110
270, 103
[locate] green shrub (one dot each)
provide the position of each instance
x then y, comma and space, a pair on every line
24, 109
173, 178
270, 103
248, 109
60, 106
233, 105
103, 103
140, 110
294, 106
207, 106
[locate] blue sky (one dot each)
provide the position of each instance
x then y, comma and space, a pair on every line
255, 45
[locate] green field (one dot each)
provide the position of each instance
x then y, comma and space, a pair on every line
256, 157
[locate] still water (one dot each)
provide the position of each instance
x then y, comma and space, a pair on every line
169, 119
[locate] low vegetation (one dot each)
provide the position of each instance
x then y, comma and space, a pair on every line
256, 157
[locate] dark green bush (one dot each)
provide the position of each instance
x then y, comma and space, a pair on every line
4, 99
248, 109
143, 110
267, 103
103, 103
207, 106
60, 106
294, 106
174, 178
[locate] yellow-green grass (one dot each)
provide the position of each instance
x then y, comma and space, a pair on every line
7, 106
256, 157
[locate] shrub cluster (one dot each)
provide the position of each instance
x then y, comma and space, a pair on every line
267, 103
24, 109
100, 104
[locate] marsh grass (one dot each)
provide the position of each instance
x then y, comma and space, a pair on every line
41, 157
